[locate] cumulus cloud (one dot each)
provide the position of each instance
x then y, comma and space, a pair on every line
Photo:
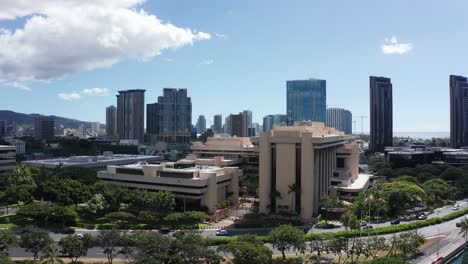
18, 85
392, 46
96, 91
69, 96
63, 37
206, 62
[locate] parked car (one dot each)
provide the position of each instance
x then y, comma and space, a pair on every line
222, 233
459, 224
364, 223
455, 207
367, 227
80, 235
395, 222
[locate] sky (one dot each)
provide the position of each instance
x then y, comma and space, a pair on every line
71, 57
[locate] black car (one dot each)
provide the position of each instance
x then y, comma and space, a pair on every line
395, 222
164, 231
367, 227
68, 231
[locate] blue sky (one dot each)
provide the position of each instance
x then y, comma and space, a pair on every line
253, 48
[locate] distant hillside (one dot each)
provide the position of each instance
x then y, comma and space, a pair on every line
28, 119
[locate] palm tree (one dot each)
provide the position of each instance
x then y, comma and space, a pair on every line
292, 192
463, 225
52, 256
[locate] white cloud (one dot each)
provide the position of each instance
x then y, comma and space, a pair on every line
69, 96
18, 85
207, 62
96, 91
392, 46
220, 35
63, 37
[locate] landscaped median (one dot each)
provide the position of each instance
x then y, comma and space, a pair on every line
351, 233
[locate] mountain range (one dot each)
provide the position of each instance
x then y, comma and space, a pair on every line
28, 119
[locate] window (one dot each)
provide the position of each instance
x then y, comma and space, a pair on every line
340, 163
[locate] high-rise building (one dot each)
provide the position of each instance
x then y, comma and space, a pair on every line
238, 125
306, 100
248, 120
82, 131
280, 120
95, 127
111, 122
43, 128
227, 125
218, 124
171, 117
341, 119
458, 111
131, 114
201, 124
251, 132
268, 123
381, 113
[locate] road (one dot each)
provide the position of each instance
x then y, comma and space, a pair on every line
448, 230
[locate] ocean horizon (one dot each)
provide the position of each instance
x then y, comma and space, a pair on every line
421, 135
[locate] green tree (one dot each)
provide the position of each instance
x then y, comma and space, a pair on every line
409, 243
52, 255
147, 247
22, 174
337, 246
387, 260
193, 248
75, 247
7, 239
19, 193
85, 176
97, 203
109, 241
65, 191
437, 188
452, 174
286, 237
407, 178
5, 259
188, 219
402, 195
245, 252
36, 241
318, 246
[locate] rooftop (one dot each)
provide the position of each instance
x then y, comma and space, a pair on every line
77, 160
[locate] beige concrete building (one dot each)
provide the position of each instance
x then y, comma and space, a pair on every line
201, 185
300, 164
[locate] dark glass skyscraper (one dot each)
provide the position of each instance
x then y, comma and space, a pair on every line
170, 119
218, 124
306, 100
381, 113
111, 122
238, 124
458, 111
43, 128
131, 114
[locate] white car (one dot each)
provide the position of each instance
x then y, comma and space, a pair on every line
80, 235
222, 232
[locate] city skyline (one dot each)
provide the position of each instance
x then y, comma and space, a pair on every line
230, 60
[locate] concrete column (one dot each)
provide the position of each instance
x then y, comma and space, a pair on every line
236, 174
210, 198
307, 177
264, 173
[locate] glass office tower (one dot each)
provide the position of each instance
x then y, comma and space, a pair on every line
306, 100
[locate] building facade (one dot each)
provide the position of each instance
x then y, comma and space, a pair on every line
20, 146
301, 164
111, 122
204, 186
171, 117
280, 120
306, 100
43, 128
341, 119
458, 111
201, 124
131, 114
218, 124
238, 125
268, 123
95, 162
7, 159
381, 114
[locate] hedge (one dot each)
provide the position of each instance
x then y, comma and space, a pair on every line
376, 231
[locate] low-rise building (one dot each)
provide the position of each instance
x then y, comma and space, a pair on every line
94, 162
7, 159
303, 163
201, 186
19, 145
